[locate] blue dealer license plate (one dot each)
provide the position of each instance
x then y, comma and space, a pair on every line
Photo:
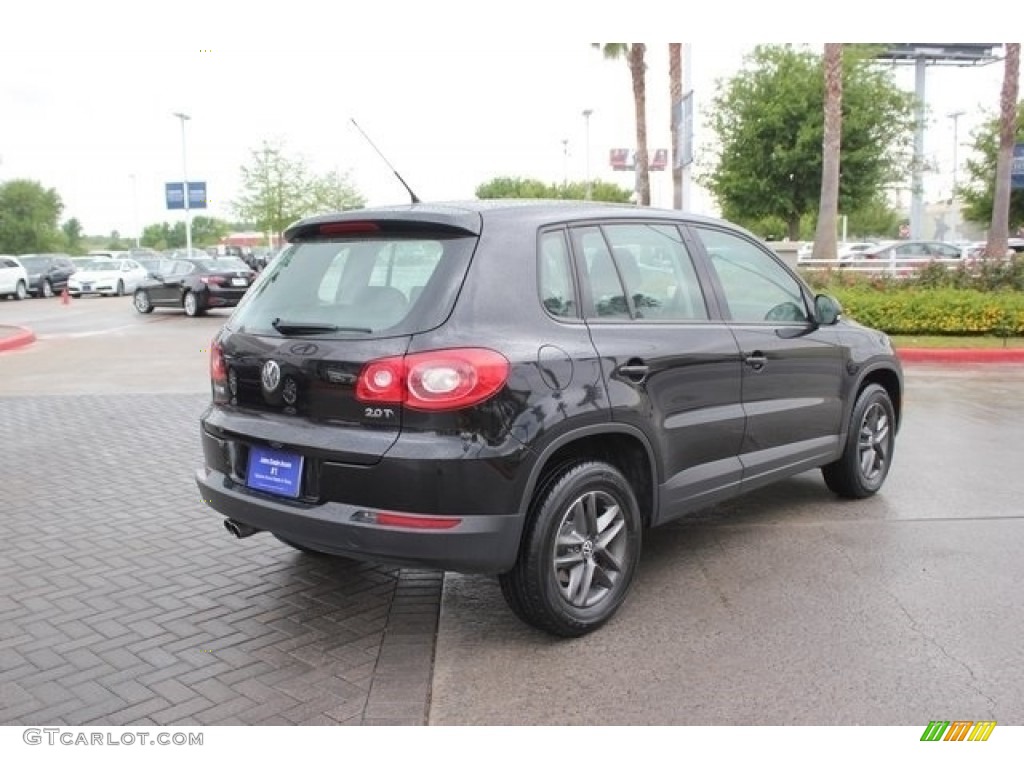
277, 472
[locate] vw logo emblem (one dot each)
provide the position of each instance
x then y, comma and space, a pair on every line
270, 375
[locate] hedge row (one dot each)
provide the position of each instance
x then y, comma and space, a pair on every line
935, 312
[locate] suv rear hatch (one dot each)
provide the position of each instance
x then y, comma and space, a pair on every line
346, 292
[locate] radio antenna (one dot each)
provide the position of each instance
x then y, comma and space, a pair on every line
389, 165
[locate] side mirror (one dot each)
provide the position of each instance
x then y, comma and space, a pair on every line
827, 310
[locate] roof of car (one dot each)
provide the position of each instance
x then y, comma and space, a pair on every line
469, 214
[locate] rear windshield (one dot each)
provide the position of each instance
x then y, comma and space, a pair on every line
379, 286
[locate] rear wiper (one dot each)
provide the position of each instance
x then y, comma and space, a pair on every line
297, 329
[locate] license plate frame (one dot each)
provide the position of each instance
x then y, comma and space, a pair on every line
274, 471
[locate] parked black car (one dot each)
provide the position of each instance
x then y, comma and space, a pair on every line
194, 285
521, 388
48, 273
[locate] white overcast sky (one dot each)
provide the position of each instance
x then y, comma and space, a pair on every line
453, 93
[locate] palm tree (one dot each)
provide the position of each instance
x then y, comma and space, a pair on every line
1000, 228
675, 95
634, 55
828, 208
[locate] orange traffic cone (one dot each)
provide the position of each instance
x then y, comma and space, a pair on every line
64, 298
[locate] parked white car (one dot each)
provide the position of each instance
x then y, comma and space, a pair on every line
111, 277
13, 278
851, 250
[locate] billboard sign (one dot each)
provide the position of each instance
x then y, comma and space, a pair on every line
174, 191
624, 159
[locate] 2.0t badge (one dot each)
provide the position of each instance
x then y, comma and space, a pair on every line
270, 376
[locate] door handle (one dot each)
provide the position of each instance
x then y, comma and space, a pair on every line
634, 370
756, 360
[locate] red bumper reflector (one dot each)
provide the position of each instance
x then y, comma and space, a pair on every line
398, 520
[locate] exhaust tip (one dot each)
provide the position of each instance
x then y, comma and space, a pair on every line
239, 530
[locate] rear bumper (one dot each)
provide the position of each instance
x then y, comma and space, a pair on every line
478, 544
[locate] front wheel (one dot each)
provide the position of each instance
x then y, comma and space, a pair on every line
142, 303
191, 304
579, 552
46, 290
20, 292
865, 462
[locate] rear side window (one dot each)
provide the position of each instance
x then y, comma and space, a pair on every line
556, 287
367, 286
659, 275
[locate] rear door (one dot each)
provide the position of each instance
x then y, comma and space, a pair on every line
671, 367
793, 370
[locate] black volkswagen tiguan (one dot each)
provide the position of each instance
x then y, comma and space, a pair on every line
522, 388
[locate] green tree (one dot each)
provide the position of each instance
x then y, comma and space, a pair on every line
157, 236
279, 188
634, 54
72, 229
207, 230
333, 191
978, 190
875, 219
28, 217
516, 187
768, 122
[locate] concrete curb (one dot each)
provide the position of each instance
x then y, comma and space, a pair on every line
943, 355
12, 337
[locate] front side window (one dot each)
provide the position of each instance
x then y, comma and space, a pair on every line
757, 288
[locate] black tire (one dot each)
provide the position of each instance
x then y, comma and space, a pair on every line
587, 515
120, 287
21, 291
46, 290
192, 304
141, 302
865, 462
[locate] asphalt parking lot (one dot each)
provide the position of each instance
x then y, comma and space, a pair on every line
123, 600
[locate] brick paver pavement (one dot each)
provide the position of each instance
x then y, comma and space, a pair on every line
124, 601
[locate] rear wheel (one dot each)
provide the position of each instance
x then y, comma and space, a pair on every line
865, 462
141, 302
21, 291
579, 552
191, 304
46, 290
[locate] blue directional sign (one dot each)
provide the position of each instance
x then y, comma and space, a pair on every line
175, 193
1017, 175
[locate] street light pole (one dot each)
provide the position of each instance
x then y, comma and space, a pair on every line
586, 117
184, 172
135, 208
565, 162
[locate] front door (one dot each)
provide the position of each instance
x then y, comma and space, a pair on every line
793, 370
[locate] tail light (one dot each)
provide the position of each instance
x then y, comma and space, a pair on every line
213, 280
440, 380
218, 374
